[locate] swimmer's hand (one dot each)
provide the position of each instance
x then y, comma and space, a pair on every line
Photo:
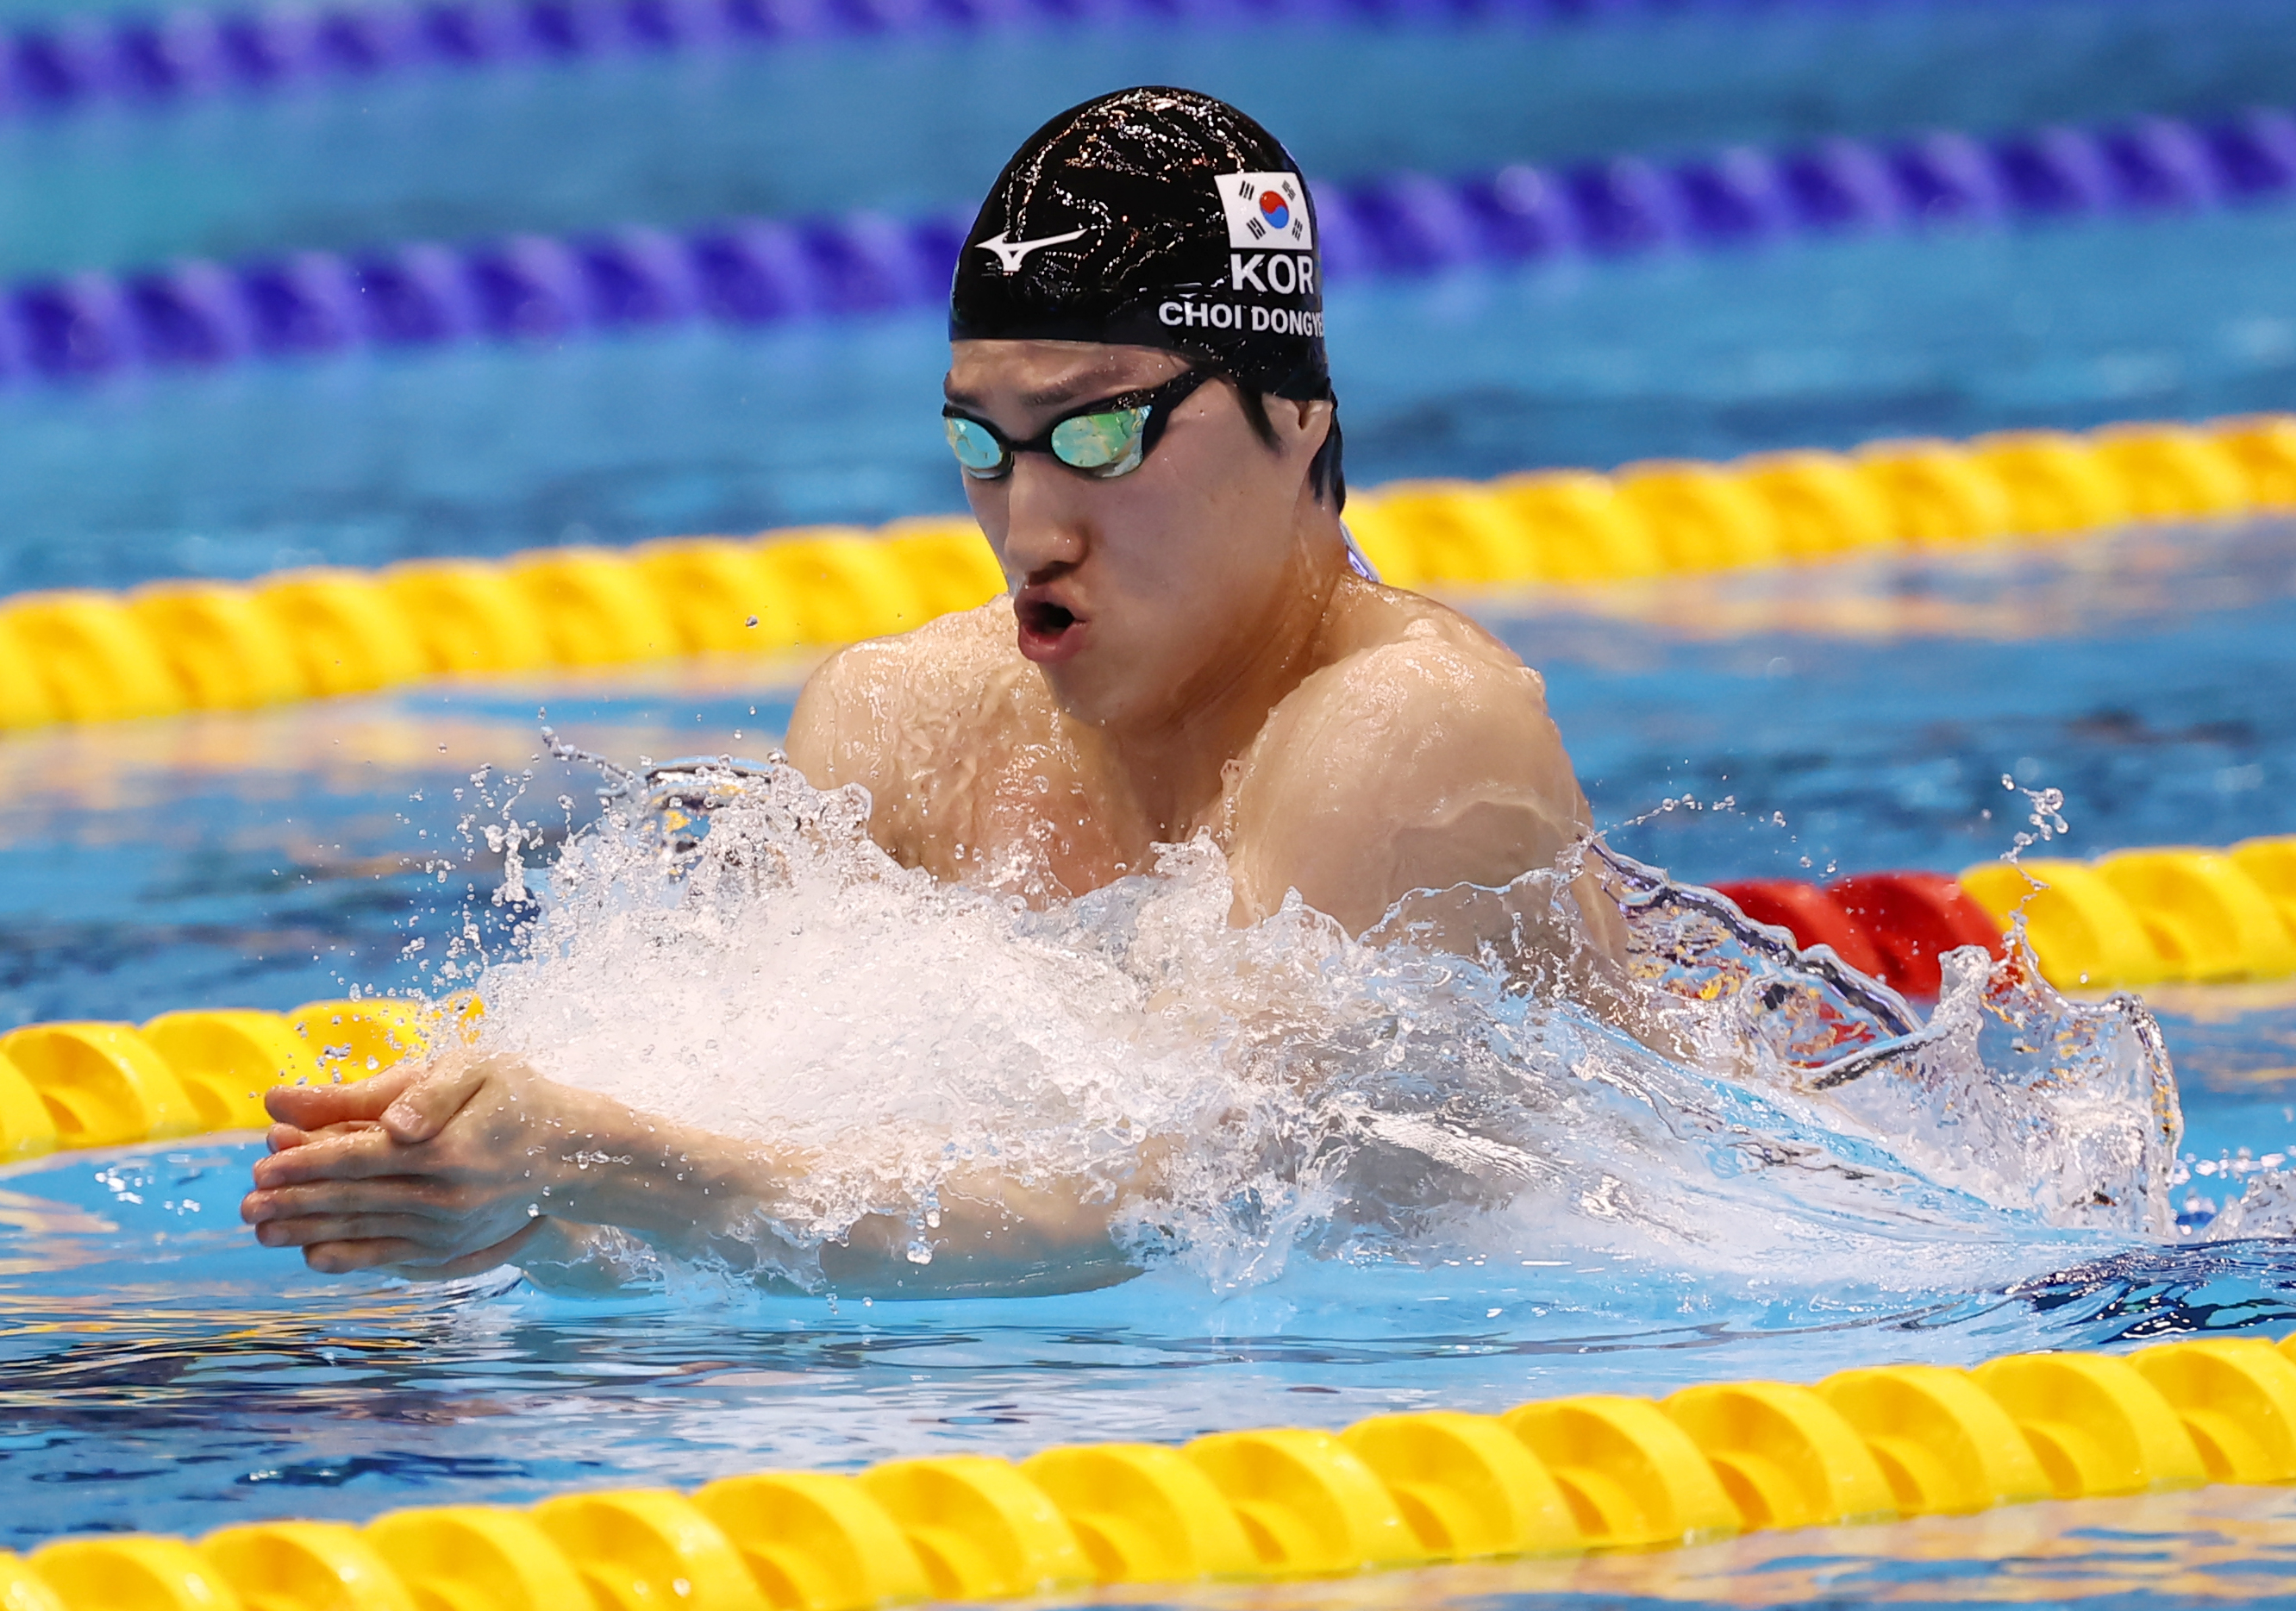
451, 1168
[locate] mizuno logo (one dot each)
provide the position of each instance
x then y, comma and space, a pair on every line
1009, 253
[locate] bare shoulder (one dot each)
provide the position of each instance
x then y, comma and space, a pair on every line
872, 698
1420, 755
1407, 671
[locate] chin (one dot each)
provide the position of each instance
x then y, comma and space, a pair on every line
1079, 692
1092, 690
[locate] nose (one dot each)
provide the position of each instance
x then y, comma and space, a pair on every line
1044, 525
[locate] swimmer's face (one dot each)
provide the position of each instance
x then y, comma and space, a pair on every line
1137, 593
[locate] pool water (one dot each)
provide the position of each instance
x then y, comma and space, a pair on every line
921, 118
484, 450
158, 1365
273, 857
157, 1370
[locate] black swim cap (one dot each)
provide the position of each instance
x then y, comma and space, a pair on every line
1153, 218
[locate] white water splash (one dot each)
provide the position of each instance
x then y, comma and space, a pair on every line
746, 960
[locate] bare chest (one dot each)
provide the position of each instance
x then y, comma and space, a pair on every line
1005, 798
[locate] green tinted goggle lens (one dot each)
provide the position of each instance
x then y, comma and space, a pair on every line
1107, 442
975, 449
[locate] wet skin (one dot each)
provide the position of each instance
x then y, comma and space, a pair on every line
1185, 652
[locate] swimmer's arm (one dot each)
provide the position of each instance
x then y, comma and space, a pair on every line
1419, 765
996, 1237
446, 1172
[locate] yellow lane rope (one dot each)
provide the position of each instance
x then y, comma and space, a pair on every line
89, 656
1551, 1477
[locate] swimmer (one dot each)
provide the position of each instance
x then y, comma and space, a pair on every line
1142, 411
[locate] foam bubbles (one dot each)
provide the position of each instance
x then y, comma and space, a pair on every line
740, 956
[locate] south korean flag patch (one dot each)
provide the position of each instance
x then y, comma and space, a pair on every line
1266, 211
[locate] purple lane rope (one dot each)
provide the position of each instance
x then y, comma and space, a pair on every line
153, 60
755, 272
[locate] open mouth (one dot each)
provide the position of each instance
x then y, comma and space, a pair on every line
1045, 618
1048, 631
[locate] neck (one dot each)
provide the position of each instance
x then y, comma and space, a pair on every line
1173, 767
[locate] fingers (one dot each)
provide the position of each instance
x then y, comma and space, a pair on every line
340, 1258
403, 1256
477, 1264
356, 1154
423, 1109
315, 1106
356, 1181
305, 1230
418, 1195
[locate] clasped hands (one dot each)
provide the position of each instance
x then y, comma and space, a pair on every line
430, 1171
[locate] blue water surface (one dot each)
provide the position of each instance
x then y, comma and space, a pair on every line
924, 117
1881, 708
160, 1366
161, 1372
157, 1370
484, 450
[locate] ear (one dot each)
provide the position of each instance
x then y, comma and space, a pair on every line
1300, 424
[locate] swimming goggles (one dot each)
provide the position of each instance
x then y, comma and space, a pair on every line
1102, 439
